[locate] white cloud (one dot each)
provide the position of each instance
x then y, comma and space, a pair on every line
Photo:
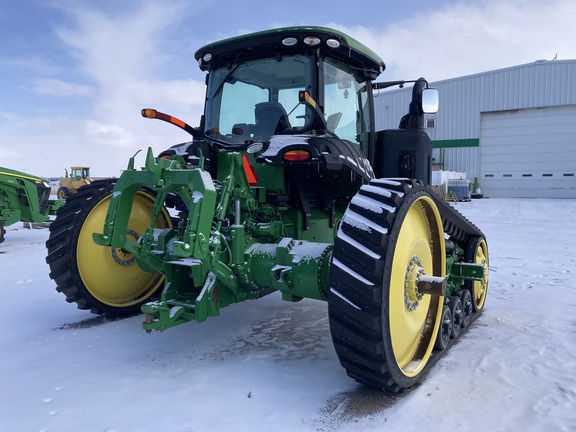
119, 48
469, 38
56, 87
125, 58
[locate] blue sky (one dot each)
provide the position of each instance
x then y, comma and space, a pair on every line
75, 73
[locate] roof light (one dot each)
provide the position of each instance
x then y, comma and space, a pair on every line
296, 155
333, 43
207, 57
289, 41
312, 40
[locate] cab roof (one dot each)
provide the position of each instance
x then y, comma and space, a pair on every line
269, 43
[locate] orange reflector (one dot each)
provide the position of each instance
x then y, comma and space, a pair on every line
296, 155
177, 122
250, 171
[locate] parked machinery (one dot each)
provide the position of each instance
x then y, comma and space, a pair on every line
286, 186
24, 197
70, 183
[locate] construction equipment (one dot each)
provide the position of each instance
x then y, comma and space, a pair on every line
24, 197
69, 184
286, 186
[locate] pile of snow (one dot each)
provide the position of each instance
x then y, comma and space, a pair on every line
268, 365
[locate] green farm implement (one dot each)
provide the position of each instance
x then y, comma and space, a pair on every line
285, 187
24, 197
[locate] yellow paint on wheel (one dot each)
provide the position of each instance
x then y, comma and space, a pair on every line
480, 288
115, 278
414, 326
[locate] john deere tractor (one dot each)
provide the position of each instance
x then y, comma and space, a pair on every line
24, 197
285, 186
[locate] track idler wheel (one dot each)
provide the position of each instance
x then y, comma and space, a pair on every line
457, 315
477, 252
467, 308
445, 331
103, 279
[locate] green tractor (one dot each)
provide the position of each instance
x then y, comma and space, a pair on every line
286, 186
24, 197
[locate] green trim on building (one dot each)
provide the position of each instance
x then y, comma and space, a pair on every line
469, 142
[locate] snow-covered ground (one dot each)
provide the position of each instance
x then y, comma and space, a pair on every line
268, 365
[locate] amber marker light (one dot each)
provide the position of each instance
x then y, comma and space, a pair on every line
153, 114
297, 155
304, 97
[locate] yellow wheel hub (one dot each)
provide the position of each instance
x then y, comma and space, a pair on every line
123, 257
411, 295
112, 275
414, 317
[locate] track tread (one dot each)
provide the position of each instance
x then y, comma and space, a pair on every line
355, 300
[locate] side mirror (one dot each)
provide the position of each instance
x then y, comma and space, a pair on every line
430, 101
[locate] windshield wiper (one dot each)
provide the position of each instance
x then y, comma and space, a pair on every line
234, 66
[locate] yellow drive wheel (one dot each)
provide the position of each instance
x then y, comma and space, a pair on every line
100, 278
413, 318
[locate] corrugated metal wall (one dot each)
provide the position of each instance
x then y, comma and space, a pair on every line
533, 85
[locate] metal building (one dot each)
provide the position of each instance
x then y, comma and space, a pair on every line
514, 128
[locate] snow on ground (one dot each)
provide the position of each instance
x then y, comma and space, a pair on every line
268, 365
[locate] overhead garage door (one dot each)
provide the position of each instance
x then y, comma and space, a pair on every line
529, 153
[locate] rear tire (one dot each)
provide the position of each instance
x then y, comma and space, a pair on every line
2, 232
383, 329
102, 279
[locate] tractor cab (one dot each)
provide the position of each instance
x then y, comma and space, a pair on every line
302, 97
293, 81
78, 174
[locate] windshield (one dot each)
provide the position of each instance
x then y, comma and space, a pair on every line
345, 102
254, 100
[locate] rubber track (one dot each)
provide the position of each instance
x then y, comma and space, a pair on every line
455, 224
355, 299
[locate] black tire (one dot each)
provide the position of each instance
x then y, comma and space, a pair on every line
63, 193
477, 252
366, 304
102, 279
2, 232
